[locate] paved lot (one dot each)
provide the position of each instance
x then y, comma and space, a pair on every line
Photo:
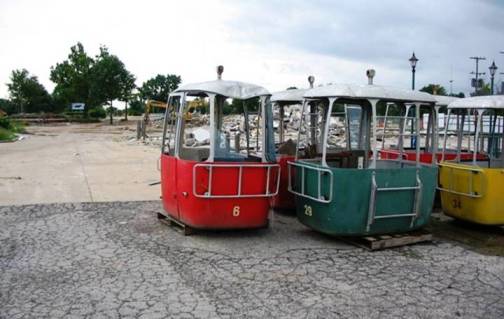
77, 163
115, 260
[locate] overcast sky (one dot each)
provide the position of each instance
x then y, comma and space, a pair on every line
273, 43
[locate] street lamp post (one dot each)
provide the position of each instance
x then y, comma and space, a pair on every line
492, 69
413, 61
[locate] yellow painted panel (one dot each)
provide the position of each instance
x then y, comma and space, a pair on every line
486, 185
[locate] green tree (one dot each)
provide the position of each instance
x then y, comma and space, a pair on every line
460, 94
7, 106
110, 80
73, 79
292, 88
484, 90
431, 88
237, 106
136, 106
127, 87
159, 87
27, 94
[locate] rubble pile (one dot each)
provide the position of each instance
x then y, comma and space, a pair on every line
233, 130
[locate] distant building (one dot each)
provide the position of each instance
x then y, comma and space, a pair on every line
77, 106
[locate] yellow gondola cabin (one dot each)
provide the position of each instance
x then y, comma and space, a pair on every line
473, 190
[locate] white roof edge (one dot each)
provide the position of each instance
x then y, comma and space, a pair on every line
231, 89
293, 95
444, 100
479, 102
354, 91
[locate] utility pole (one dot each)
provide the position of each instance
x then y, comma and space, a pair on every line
477, 74
451, 80
502, 85
502, 82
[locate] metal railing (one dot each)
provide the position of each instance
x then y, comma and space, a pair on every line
470, 192
372, 201
270, 168
320, 198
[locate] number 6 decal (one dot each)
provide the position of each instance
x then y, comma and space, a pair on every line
236, 211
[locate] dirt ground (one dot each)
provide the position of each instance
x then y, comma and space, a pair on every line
78, 163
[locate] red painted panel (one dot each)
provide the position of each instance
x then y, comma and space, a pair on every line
217, 213
284, 199
427, 157
168, 184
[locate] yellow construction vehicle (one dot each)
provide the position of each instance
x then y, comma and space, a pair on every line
151, 104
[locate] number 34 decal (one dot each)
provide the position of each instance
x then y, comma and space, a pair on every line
308, 210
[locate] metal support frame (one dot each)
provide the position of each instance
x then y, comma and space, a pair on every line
429, 131
169, 122
179, 125
460, 136
211, 155
325, 135
211, 166
402, 127
262, 128
385, 125
347, 129
375, 190
447, 125
319, 171
470, 192
281, 114
301, 120
435, 134
479, 114
492, 139
246, 126
374, 102
418, 136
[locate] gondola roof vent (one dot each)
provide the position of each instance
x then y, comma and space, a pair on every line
311, 80
220, 70
370, 75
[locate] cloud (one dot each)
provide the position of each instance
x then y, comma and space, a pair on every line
272, 43
384, 33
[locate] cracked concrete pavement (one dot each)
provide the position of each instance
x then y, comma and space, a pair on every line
116, 260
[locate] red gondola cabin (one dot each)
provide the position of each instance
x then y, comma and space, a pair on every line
218, 168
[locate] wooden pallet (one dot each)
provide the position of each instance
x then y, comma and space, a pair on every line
389, 241
165, 219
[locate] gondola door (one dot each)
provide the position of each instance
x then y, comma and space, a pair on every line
168, 158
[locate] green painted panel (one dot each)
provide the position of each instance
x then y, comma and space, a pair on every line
347, 213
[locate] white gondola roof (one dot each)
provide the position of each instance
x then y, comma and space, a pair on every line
355, 91
445, 100
232, 89
294, 95
479, 102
